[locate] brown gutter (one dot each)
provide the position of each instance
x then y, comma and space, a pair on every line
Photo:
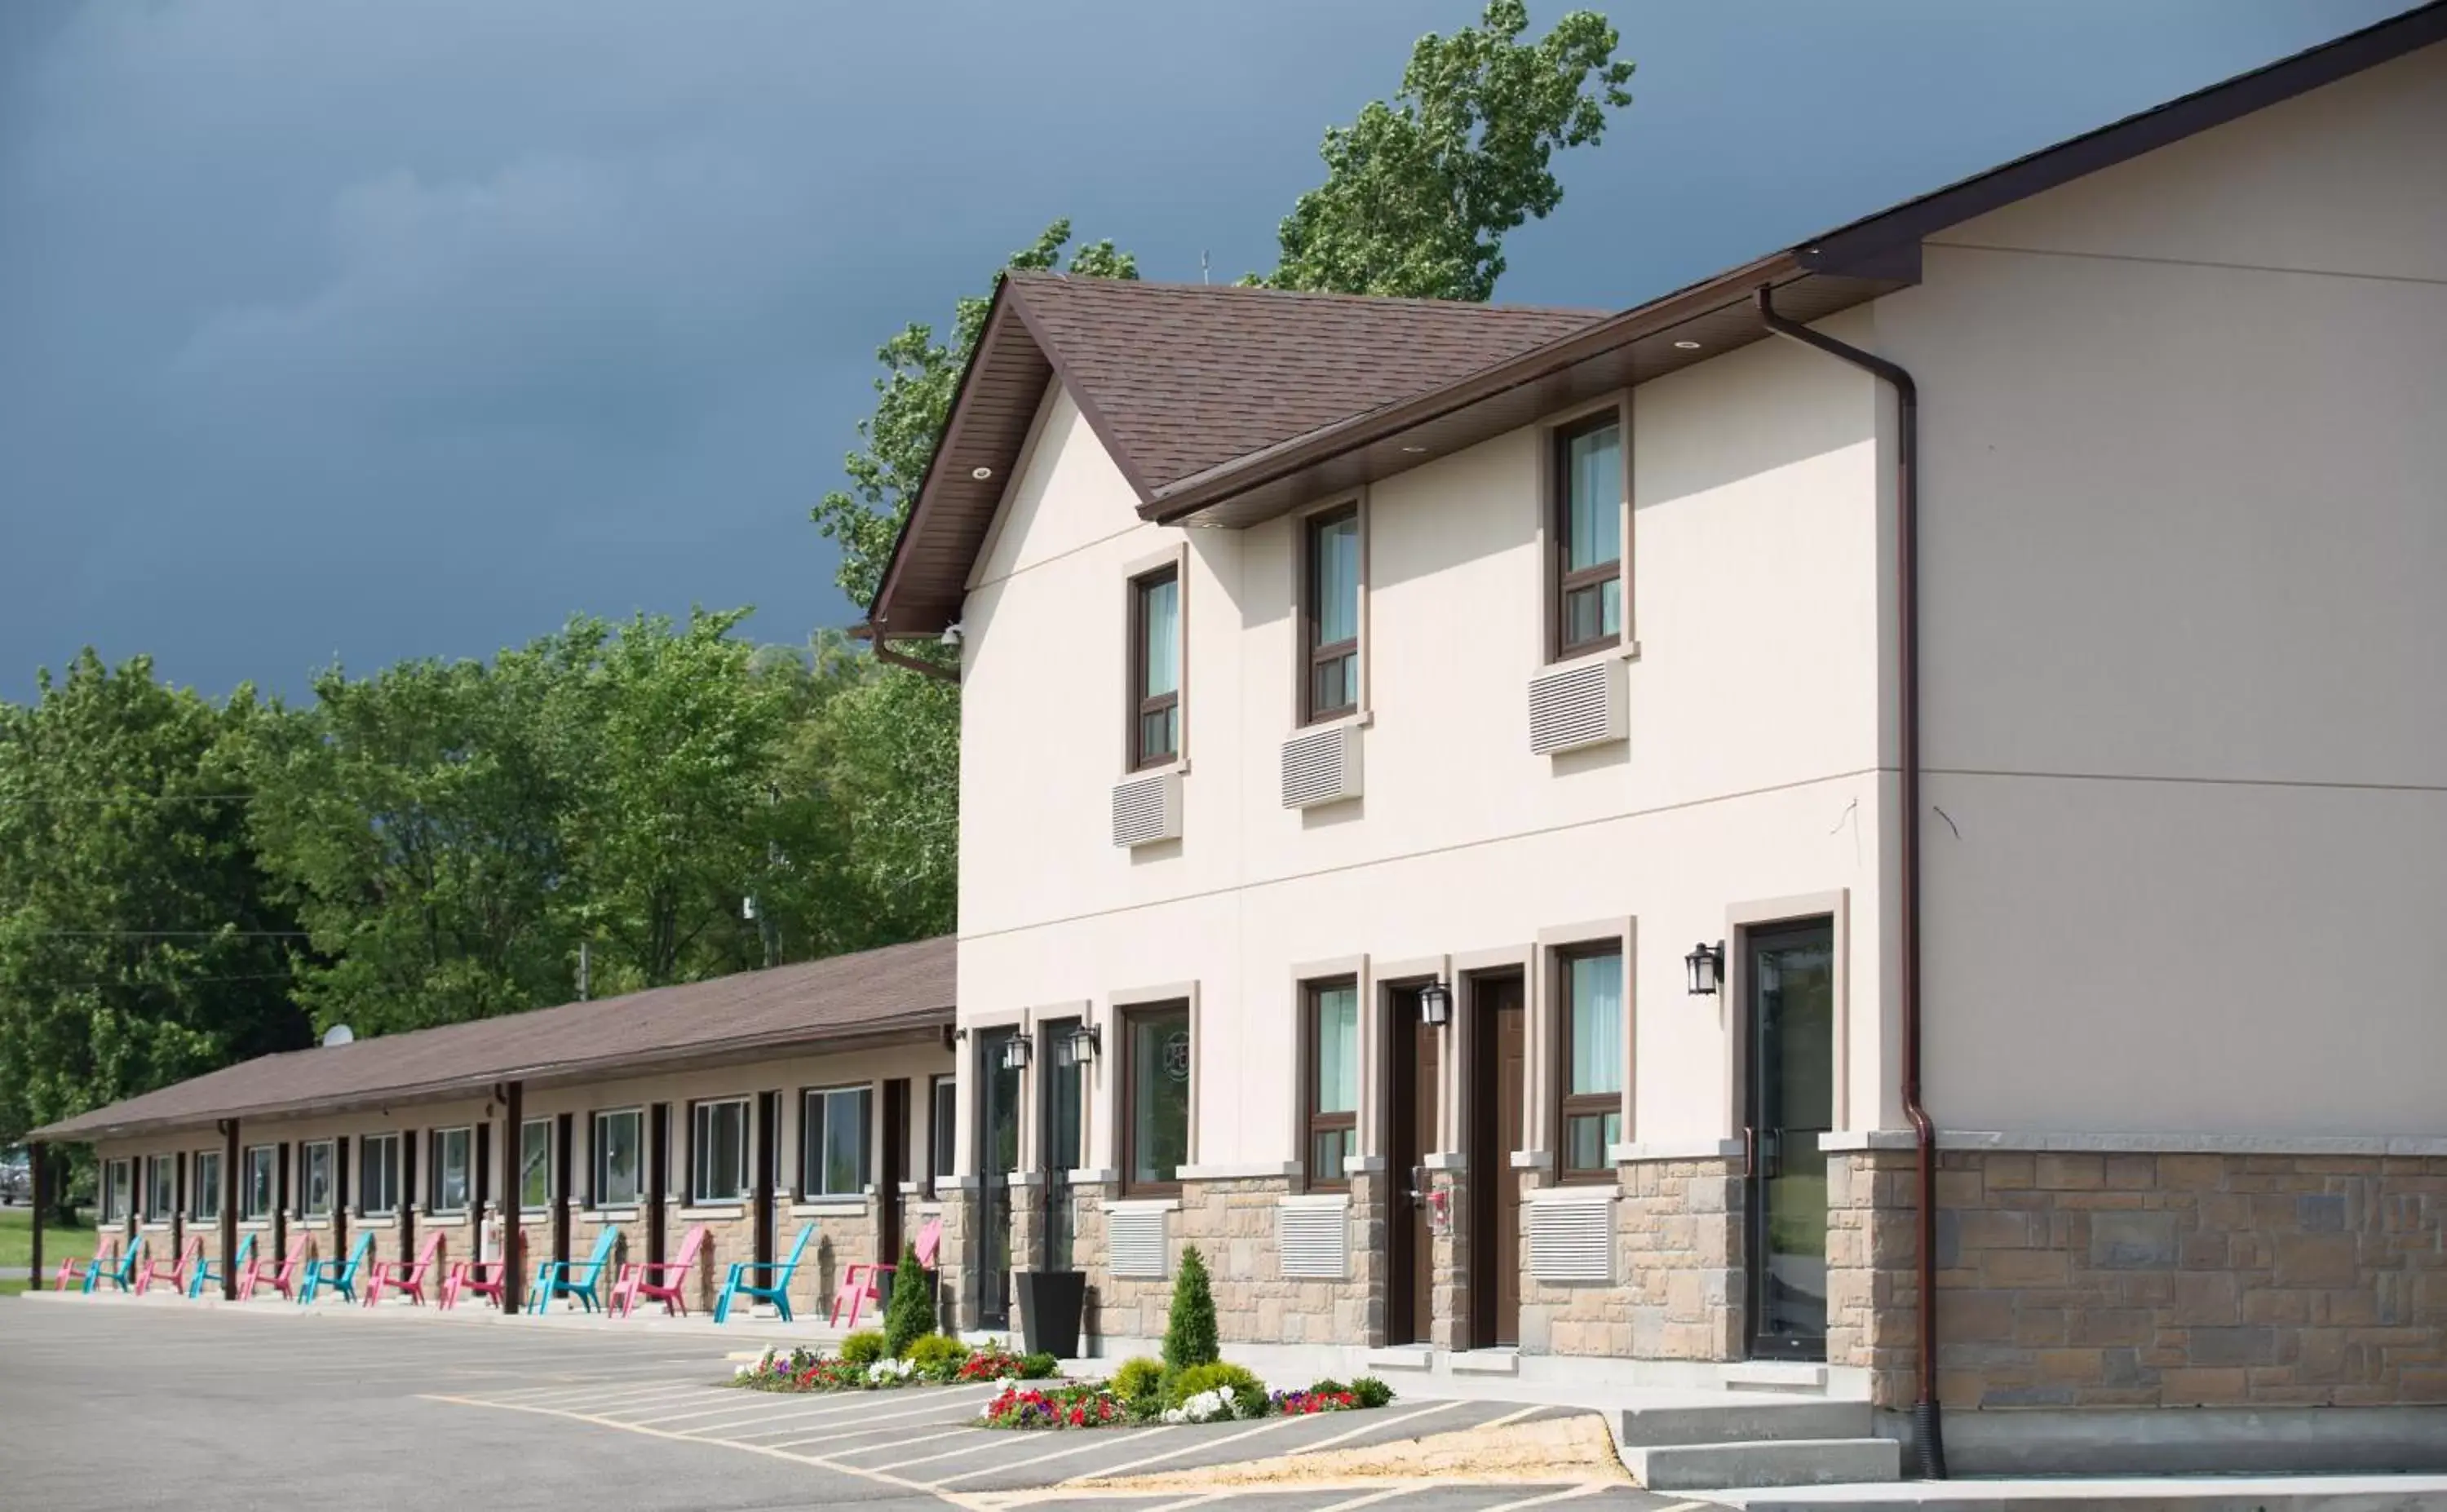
1926, 1430
876, 636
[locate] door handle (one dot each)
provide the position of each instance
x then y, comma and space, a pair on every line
1750, 1151
1418, 1192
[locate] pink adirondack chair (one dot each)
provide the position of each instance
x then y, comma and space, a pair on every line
862, 1283
282, 1276
664, 1281
190, 1254
481, 1277
77, 1272
409, 1275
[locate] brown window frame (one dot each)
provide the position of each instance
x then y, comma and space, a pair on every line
1317, 654
1314, 1122
1563, 581
1569, 1105
1131, 1018
1140, 705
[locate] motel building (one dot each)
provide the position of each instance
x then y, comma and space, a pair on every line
1873, 827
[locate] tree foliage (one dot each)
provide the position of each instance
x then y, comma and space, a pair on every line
1189, 1336
1419, 193
140, 942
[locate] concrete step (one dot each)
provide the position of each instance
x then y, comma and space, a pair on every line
1743, 1418
2361, 1493
1764, 1463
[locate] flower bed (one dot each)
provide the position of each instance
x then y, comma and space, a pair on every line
935, 1361
1098, 1404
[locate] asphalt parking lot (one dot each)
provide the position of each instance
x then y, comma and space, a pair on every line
110, 1405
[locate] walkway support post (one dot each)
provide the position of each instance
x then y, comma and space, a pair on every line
513, 1119
38, 1164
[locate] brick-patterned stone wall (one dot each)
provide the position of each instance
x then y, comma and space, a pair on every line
1678, 1293
1448, 1309
2104, 1279
1233, 1223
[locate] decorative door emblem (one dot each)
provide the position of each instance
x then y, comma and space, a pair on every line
1176, 1055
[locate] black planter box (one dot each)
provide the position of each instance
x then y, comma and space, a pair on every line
1050, 1304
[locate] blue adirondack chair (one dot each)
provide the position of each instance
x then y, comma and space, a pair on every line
341, 1275
210, 1271
583, 1279
777, 1291
118, 1272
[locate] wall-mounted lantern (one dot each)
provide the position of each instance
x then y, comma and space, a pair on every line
1707, 966
1436, 1005
1079, 1046
1014, 1053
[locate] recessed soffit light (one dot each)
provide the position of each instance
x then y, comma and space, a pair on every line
1415, 450
1686, 346
981, 474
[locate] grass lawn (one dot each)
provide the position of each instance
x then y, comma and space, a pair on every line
17, 1239
12, 1288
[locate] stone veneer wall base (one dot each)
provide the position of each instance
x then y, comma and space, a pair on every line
2201, 1440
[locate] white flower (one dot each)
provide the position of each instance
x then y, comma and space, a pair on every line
882, 1370
744, 1370
1206, 1406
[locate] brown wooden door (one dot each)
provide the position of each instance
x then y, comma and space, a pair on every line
1499, 1083
892, 1171
1410, 1310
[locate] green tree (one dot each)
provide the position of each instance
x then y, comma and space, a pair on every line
909, 1316
140, 942
1189, 1336
913, 399
1418, 194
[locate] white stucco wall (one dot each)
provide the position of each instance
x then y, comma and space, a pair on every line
1749, 773
2186, 637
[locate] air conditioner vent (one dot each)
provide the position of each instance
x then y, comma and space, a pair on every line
1314, 1238
1321, 765
1578, 706
1134, 1241
1146, 809
1572, 1241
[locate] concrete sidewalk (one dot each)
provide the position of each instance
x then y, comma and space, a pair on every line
2296, 1493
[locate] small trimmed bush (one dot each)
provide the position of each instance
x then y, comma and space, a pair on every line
1372, 1391
937, 1357
909, 1314
1141, 1379
1039, 1367
865, 1347
1189, 1331
1240, 1384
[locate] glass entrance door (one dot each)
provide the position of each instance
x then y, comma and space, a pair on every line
998, 1156
1061, 1151
1790, 973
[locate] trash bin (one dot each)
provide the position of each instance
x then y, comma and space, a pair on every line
1050, 1305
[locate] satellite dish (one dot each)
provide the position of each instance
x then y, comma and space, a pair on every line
340, 1034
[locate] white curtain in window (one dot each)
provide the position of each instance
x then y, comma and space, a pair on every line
1597, 1024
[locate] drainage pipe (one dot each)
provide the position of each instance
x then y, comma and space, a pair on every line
876, 637
1926, 1429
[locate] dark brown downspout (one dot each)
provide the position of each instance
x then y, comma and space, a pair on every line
1927, 1434
874, 635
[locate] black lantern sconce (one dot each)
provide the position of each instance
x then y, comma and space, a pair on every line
1707, 966
1079, 1046
1014, 1053
1436, 1005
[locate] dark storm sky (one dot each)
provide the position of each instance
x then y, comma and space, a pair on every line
366, 329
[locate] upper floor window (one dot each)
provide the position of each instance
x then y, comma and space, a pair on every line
1330, 614
1155, 667
1588, 536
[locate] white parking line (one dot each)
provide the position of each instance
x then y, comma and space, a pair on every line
932, 1410
1039, 1459
896, 1446
1371, 1498
607, 1397
1412, 1416
1268, 1426
1569, 1493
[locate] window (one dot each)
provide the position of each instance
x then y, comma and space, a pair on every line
534, 1164
378, 1175
1155, 1098
718, 1151
116, 1175
205, 1204
942, 1149
161, 1188
832, 1142
1592, 1026
1333, 1080
256, 1193
1156, 668
1329, 617
619, 1145
1588, 536
453, 1159
315, 1179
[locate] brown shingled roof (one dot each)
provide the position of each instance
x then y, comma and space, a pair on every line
1177, 379
897, 991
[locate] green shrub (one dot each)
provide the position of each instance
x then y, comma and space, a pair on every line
1138, 1378
865, 1347
909, 1316
937, 1357
1189, 1332
1039, 1367
1372, 1391
1239, 1383
1328, 1386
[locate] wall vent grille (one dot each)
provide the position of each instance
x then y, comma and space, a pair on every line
1321, 766
1146, 809
1134, 1241
1584, 705
1572, 1241
1314, 1240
